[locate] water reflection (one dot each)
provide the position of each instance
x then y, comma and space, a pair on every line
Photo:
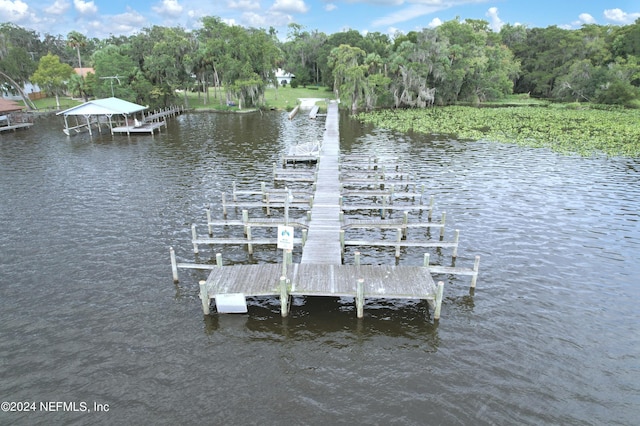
89, 310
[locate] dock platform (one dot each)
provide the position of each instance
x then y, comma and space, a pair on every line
325, 233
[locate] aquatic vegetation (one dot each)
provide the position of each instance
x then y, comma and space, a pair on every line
581, 131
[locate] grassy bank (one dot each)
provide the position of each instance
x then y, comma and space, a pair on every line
566, 130
285, 98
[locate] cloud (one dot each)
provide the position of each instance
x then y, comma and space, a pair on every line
330, 6
168, 8
59, 7
406, 14
583, 19
85, 7
620, 17
127, 23
14, 11
265, 20
289, 6
244, 4
435, 22
495, 21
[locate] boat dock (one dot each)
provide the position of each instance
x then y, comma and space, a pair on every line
346, 195
149, 123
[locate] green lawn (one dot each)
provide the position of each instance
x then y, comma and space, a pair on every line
285, 98
49, 104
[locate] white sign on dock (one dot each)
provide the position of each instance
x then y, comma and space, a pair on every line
285, 237
231, 303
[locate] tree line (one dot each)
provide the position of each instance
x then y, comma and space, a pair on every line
460, 61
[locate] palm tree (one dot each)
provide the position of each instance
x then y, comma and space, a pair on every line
77, 40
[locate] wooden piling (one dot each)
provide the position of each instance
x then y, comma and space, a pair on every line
360, 297
194, 236
284, 296
224, 205
174, 265
439, 296
455, 248
249, 245
444, 217
476, 267
219, 260
204, 297
208, 209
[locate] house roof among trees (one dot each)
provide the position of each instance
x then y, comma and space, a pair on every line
107, 106
7, 105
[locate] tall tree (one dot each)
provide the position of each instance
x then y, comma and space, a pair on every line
77, 40
52, 75
349, 73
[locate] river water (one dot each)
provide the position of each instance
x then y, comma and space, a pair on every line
90, 315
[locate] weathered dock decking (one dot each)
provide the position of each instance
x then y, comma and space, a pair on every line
150, 123
323, 239
325, 233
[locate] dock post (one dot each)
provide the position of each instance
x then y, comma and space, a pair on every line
474, 277
360, 297
284, 262
286, 208
263, 190
342, 239
357, 259
194, 236
174, 265
444, 217
204, 297
398, 239
405, 222
245, 219
304, 236
383, 211
224, 205
249, 245
439, 295
266, 198
284, 297
219, 260
426, 260
209, 226
455, 248
235, 198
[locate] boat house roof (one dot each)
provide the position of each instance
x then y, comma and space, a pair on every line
9, 106
107, 106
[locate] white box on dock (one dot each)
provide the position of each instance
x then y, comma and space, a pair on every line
231, 303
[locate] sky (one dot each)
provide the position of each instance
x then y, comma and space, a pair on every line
103, 18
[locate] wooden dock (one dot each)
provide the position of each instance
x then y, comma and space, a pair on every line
15, 127
150, 122
323, 239
323, 233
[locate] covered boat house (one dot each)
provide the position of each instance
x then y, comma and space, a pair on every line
118, 115
12, 116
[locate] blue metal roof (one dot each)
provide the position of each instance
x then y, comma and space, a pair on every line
107, 106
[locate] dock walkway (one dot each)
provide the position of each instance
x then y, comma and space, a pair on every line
322, 270
323, 238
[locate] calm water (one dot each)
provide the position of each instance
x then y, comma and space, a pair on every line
89, 312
